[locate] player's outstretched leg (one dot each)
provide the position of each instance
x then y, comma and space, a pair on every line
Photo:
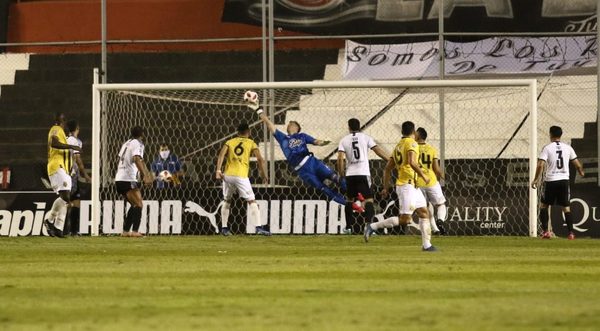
310, 177
387, 223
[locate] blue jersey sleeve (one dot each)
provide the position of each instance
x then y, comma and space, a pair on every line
309, 139
154, 167
279, 136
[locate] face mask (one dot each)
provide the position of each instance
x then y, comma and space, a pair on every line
164, 154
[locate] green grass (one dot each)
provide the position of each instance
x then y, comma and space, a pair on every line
298, 283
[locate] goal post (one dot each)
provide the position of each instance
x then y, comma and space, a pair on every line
196, 118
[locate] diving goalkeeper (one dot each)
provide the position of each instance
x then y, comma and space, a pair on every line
295, 148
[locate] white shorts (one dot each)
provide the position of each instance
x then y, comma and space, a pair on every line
434, 194
232, 184
60, 181
410, 199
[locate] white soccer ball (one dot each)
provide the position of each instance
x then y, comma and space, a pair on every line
165, 176
251, 96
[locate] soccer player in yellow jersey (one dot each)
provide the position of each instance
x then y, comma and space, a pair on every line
235, 177
430, 163
59, 169
405, 160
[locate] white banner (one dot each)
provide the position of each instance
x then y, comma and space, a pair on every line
488, 56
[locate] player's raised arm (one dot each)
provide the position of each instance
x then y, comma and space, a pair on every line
262, 168
252, 101
319, 142
220, 158
148, 177
58, 145
414, 164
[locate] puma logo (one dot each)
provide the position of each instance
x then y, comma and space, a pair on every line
192, 207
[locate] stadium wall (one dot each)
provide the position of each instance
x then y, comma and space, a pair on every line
43, 21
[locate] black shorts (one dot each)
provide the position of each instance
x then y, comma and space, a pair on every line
124, 187
557, 193
359, 184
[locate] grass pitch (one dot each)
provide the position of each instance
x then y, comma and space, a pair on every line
298, 283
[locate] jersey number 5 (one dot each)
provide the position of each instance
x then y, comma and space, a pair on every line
560, 162
398, 156
355, 150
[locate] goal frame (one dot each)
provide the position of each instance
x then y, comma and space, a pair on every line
97, 88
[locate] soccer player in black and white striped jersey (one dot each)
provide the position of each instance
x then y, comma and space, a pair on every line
556, 156
354, 152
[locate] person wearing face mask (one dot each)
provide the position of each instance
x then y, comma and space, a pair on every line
166, 160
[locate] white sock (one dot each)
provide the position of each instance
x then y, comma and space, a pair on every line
225, 213
59, 221
425, 227
434, 227
386, 223
56, 207
441, 212
254, 214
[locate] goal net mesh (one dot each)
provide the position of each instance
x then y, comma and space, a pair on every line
486, 165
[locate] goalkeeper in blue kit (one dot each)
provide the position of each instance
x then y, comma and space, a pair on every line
294, 145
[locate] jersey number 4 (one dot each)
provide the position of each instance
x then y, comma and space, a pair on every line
426, 160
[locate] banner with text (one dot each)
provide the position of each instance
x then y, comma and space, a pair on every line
509, 55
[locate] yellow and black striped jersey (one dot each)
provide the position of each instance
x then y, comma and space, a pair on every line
406, 174
427, 156
238, 156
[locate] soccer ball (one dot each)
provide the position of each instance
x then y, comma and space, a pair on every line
251, 96
165, 176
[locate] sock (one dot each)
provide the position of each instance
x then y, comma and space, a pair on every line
544, 217
386, 223
255, 214
369, 211
225, 214
349, 215
128, 221
74, 220
59, 221
434, 227
569, 221
441, 212
424, 225
136, 217
57, 205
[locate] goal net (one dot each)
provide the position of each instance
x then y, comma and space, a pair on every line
471, 123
